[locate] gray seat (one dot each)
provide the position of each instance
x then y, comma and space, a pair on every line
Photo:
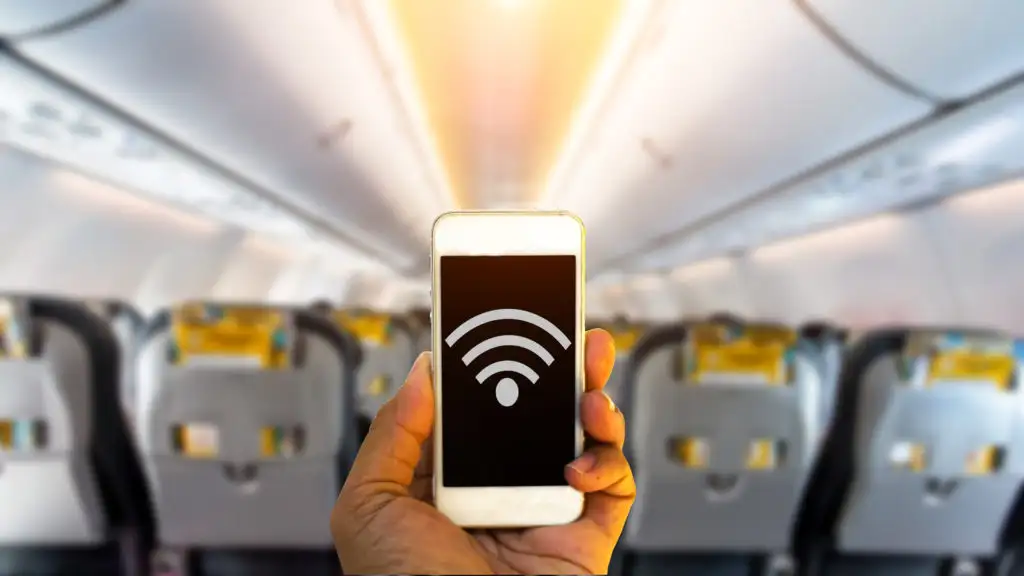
721, 457
388, 345
246, 433
128, 325
419, 323
831, 345
625, 338
73, 497
925, 461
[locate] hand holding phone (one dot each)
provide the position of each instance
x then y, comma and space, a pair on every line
384, 521
496, 438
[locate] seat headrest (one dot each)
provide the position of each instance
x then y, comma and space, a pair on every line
931, 357
322, 307
370, 327
729, 353
111, 309
212, 333
724, 318
820, 330
625, 336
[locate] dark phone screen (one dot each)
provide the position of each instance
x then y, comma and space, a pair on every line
508, 369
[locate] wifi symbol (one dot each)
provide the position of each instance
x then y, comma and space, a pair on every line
507, 391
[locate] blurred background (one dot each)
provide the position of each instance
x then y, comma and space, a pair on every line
854, 162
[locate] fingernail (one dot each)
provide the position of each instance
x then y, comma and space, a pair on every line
611, 403
584, 463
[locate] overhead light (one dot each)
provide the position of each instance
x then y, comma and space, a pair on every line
398, 71
631, 27
45, 120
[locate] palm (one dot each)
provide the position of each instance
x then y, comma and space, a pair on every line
544, 550
549, 550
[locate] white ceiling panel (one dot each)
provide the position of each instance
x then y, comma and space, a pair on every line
949, 49
733, 98
29, 16
47, 121
971, 148
287, 94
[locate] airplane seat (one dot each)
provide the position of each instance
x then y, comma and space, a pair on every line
625, 338
726, 427
128, 325
245, 417
73, 496
831, 346
388, 344
922, 468
724, 318
419, 321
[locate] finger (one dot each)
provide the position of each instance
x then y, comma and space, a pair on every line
389, 455
604, 475
602, 420
600, 358
426, 463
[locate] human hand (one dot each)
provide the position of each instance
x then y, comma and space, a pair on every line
384, 521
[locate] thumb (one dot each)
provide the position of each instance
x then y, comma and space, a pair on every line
387, 459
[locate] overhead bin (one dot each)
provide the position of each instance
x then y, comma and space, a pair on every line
288, 95
974, 147
949, 50
735, 97
18, 17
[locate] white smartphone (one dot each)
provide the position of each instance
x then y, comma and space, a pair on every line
507, 328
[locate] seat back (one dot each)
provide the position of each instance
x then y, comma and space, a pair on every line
389, 350
934, 443
128, 324
725, 429
69, 475
245, 415
419, 323
830, 343
626, 338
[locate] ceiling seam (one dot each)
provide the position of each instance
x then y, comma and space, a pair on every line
846, 48
199, 159
68, 24
441, 189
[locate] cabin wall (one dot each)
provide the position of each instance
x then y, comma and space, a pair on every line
959, 262
63, 233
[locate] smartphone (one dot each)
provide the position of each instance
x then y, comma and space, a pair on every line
507, 328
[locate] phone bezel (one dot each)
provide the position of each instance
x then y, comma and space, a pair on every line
501, 233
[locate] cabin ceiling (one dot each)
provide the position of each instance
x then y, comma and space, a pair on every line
667, 126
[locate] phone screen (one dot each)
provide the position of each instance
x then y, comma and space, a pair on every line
508, 373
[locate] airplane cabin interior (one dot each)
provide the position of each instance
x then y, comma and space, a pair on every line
804, 230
